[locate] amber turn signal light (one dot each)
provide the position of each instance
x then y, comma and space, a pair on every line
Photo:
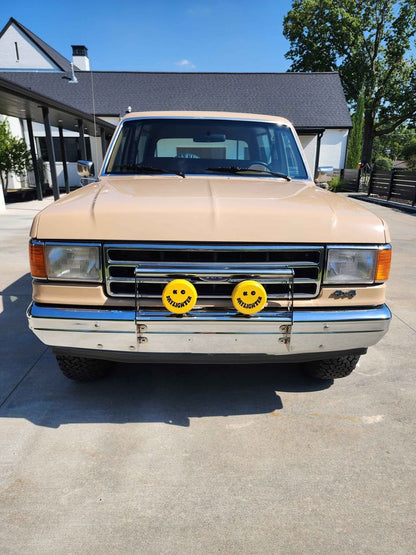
383, 265
37, 260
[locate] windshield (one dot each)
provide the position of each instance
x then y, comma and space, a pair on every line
205, 146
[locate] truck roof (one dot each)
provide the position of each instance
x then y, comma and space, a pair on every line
210, 115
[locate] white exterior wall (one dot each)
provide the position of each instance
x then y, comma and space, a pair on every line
73, 177
30, 56
15, 181
309, 144
111, 119
96, 153
333, 148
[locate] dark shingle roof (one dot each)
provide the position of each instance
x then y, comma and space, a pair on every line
308, 100
55, 57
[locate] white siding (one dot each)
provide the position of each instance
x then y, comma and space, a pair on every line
333, 148
96, 153
309, 144
110, 119
73, 177
30, 56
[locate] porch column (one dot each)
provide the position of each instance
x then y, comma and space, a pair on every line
62, 143
39, 193
103, 141
318, 153
82, 139
51, 152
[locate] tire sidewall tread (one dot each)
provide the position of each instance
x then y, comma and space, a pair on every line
333, 368
81, 369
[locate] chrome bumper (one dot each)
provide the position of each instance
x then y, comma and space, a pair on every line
160, 333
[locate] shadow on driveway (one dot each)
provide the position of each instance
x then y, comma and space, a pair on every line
168, 393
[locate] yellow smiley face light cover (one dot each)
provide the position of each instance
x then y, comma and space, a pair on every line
179, 296
249, 297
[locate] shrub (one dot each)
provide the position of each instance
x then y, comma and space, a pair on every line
336, 183
409, 154
383, 164
14, 156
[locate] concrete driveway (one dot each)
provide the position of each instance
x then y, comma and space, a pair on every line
169, 459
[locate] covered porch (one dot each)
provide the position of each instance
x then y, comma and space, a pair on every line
59, 123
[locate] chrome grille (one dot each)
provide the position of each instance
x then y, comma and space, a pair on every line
214, 269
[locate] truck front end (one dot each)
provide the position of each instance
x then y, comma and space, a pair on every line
205, 239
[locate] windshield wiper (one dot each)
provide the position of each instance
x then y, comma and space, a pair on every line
138, 168
236, 169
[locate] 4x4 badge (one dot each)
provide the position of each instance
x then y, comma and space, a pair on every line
338, 294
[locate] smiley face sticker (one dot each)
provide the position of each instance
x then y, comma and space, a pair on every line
249, 297
179, 296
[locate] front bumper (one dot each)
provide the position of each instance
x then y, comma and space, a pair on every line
155, 335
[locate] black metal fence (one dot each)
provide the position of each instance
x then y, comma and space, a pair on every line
396, 185
350, 181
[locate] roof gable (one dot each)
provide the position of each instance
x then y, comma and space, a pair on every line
20, 49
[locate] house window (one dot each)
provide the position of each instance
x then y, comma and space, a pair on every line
72, 149
17, 51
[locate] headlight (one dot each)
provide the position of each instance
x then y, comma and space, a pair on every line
73, 262
349, 265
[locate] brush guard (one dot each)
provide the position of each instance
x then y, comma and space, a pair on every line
202, 273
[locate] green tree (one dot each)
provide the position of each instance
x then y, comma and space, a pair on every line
409, 154
356, 135
14, 156
392, 145
369, 43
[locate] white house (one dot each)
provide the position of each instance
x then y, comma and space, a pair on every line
37, 82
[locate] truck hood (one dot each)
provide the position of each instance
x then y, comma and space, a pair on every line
207, 209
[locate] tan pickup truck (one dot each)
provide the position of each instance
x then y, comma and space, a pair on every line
205, 238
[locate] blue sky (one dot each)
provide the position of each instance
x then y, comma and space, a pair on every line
162, 35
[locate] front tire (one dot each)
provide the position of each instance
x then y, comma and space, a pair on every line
82, 369
332, 368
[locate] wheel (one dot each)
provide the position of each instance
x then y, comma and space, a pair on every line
332, 368
82, 369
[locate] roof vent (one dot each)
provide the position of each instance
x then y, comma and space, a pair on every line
73, 76
80, 57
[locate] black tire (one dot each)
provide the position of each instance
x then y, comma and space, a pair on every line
332, 368
82, 369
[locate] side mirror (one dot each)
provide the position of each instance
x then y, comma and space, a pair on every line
325, 174
85, 168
